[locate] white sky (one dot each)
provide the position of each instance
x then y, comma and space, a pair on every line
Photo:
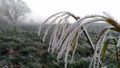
41, 9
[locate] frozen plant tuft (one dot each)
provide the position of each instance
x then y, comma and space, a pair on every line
64, 37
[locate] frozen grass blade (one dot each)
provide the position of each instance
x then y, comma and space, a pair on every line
106, 45
96, 58
64, 37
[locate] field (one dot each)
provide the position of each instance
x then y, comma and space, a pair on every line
21, 47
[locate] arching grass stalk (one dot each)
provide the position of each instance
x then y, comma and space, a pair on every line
65, 36
96, 57
101, 48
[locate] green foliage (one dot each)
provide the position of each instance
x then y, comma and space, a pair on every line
21, 51
26, 50
29, 51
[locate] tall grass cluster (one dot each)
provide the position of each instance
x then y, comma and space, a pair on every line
64, 37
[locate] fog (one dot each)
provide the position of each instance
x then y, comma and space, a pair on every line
41, 9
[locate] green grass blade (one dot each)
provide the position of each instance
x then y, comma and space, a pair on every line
74, 42
104, 49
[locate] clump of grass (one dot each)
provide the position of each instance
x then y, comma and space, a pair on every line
64, 37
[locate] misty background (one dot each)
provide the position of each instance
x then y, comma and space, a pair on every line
42, 9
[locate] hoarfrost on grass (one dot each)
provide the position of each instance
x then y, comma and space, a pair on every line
64, 37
